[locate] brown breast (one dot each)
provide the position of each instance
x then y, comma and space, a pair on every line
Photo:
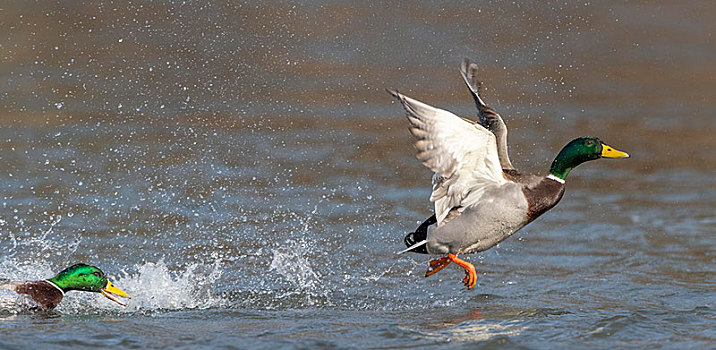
542, 196
45, 294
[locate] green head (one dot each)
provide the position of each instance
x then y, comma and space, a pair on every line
87, 278
579, 151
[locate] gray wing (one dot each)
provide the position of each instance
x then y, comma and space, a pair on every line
487, 116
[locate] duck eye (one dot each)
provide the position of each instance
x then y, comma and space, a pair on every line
97, 274
589, 142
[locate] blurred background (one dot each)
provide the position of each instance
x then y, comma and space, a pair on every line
241, 163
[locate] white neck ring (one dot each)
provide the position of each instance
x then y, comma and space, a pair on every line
550, 176
56, 286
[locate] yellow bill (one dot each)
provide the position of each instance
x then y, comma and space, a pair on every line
112, 292
611, 152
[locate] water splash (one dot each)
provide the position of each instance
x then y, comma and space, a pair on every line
154, 287
43, 244
291, 262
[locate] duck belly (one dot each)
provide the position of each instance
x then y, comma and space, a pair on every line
500, 212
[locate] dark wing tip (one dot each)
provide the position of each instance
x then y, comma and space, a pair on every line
468, 70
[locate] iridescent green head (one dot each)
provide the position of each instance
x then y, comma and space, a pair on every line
579, 151
87, 278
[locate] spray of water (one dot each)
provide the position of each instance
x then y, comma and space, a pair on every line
291, 262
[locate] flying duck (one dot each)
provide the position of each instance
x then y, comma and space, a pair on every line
480, 198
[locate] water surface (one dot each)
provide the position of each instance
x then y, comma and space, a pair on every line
240, 171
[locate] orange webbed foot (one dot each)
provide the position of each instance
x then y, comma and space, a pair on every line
470, 279
437, 265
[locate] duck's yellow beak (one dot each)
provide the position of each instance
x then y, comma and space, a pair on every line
112, 292
611, 152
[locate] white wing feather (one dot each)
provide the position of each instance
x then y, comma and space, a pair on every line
462, 154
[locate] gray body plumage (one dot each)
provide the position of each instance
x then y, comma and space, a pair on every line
501, 211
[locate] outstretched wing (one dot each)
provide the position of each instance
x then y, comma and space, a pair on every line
487, 116
462, 154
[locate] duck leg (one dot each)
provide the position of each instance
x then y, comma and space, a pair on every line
470, 275
437, 265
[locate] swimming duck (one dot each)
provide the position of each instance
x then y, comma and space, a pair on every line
480, 198
47, 294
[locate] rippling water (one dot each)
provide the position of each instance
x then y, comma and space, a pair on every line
240, 171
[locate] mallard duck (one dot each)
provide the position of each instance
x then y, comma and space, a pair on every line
480, 198
47, 294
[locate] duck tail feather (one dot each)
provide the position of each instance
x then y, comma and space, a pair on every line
416, 245
415, 241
